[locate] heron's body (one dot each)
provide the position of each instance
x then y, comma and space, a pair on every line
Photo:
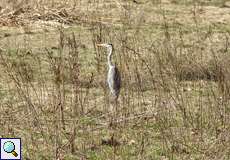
113, 77
113, 80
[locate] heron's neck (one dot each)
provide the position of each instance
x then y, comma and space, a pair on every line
110, 51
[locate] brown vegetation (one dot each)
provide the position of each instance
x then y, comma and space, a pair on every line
174, 61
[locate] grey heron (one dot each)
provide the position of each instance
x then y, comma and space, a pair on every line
113, 76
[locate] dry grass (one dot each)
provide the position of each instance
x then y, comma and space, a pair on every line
174, 61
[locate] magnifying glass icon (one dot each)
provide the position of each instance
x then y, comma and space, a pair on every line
9, 147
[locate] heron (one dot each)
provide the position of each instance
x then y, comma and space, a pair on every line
113, 76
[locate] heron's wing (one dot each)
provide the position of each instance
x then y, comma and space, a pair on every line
117, 79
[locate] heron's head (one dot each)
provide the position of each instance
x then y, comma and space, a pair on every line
107, 45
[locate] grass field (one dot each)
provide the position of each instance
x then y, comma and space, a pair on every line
174, 60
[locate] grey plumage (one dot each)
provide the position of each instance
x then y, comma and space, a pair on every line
114, 81
113, 77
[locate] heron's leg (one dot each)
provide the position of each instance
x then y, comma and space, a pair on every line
116, 105
112, 110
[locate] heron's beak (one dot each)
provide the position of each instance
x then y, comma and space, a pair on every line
101, 45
